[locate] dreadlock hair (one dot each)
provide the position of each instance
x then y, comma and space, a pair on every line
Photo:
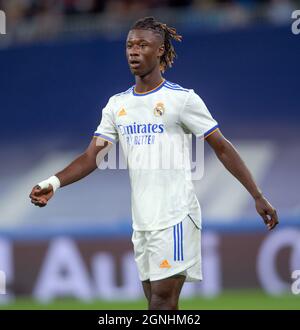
167, 33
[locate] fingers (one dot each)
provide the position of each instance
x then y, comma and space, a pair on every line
38, 203
273, 223
36, 199
39, 199
267, 212
270, 218
274, 220
41, 202
39, 196
36, 191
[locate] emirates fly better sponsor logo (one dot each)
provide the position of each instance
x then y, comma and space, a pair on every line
137, 134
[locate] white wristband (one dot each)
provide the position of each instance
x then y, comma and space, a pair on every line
53, 180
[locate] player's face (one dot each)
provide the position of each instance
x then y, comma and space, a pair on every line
143, 50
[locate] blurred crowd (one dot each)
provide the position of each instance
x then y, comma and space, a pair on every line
19, 9
31, 19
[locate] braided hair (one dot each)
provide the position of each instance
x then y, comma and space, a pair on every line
167, 33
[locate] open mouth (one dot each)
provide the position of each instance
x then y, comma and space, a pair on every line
134, 63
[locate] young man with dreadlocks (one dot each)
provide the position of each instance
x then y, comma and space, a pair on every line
165, 211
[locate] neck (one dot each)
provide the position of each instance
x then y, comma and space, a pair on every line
148, 82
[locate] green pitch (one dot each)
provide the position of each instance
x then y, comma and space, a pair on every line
227, 300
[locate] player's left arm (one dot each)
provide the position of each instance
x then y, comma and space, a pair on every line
231, 159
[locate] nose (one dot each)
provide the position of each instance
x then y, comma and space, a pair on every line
134, 51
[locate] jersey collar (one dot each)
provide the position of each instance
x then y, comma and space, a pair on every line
158, 87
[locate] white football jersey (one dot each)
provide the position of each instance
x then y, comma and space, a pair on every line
152, 128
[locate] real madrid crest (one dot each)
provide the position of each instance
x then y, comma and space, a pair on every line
159, 109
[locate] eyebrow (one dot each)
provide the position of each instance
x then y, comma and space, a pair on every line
138, 40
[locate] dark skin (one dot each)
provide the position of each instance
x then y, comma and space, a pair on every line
144, 49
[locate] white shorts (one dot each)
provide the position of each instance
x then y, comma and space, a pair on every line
172, 251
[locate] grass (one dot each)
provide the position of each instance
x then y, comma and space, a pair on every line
228, 300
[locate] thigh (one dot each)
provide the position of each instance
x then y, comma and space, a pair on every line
168, 289
147, 289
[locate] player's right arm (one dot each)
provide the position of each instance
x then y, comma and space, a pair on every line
79, 168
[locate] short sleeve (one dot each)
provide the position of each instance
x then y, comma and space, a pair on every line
196, 117
106, 129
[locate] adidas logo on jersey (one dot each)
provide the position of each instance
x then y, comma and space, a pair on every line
165, 264
122, 112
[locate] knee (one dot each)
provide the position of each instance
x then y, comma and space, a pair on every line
163, 301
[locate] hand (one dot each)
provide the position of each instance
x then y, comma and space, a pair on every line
40, 197
267, 212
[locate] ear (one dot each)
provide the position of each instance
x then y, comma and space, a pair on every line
161, 50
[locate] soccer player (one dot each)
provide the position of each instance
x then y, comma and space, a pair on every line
165, 210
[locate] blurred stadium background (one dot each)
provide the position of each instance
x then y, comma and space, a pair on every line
60, 62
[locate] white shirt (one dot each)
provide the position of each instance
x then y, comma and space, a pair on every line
147, 124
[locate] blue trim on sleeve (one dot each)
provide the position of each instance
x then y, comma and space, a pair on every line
170, 85
176, 89
209, 131
105, 137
